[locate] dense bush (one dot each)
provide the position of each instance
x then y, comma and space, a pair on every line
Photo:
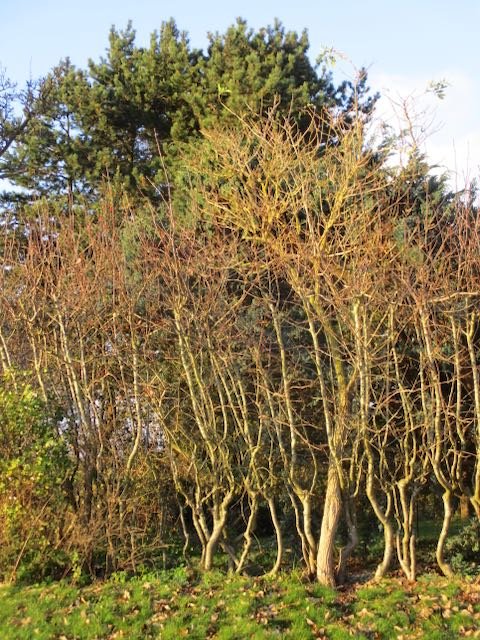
33, 467
463, 549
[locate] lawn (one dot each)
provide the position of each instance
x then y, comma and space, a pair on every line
181, 603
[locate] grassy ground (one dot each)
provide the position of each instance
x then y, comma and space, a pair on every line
176, 604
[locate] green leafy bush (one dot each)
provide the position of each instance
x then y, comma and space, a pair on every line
464, 549
33, 464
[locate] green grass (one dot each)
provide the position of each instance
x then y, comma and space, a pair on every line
180, 603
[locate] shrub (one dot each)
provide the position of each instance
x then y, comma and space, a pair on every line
33, 464
464, 549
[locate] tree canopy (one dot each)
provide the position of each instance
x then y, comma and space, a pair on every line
126, 117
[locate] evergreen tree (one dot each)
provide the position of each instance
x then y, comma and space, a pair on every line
126, 117
48, 155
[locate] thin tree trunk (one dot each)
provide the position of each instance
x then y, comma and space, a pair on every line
388, 531
447, 516
306, 501
389, 547
248, 533
201, 534
406, 545
212, 544
219, 521
278, 533
186, 534
303, 538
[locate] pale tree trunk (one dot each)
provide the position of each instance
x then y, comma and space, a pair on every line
470, 333
406, 545
213, 541
186, 534
447, 516
201, 534
383, 516
308, 551
388, 534
389, 547
407, 555
219, 513
306, 501
331, 516
247, 534
278, 533
476, 506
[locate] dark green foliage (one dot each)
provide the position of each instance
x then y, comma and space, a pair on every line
463, 549
125, 118
48, 156
244, 67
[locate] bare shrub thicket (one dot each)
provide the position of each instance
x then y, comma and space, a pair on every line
306, 346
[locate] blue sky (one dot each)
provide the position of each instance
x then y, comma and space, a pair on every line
405, 44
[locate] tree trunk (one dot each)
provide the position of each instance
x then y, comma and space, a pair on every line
278, 532
186, 534
346, 551
331, 515
219, 520
306, 501
389, 547
406, 544
248, 533
447, 516
306, 547
464, 507
383, 516
201, 533
212, 544
476, 506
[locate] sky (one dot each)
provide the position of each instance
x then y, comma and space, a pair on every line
404, 44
